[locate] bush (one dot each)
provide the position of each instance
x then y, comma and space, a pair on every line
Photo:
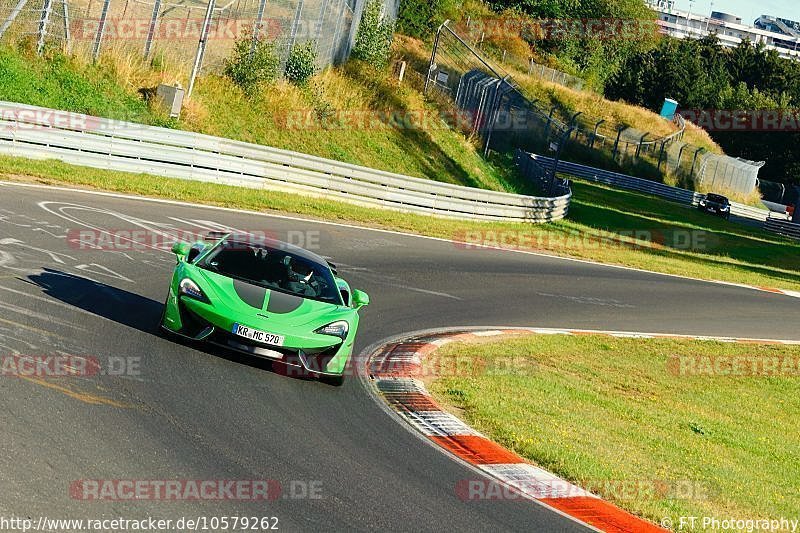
374, 37
420, 18
249, 66
301, 64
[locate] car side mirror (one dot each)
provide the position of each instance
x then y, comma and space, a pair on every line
181, 249
360, 299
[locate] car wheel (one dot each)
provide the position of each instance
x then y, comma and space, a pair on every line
334, 381
161, 330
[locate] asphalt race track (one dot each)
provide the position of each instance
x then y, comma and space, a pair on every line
190, 414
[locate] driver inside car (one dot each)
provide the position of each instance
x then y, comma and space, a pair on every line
299, 283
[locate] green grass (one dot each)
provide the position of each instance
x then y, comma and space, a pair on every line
61, 83
599, 227
601, 412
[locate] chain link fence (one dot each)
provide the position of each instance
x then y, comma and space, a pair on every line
552, 75
726, 173
195, 35
490, 106
496, 109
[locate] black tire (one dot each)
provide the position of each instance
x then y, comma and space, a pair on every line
333, 381
162, 331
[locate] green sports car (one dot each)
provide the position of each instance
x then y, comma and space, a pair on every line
264, 298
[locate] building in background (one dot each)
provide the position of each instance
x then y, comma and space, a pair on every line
781, 35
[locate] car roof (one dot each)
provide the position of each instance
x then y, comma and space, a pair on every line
247, 239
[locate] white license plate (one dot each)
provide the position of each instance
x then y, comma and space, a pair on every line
258, 336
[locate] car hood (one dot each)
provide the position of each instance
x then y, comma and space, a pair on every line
249, 301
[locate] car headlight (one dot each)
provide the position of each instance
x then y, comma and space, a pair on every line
189, 288
702, 203
726, 208
336, 329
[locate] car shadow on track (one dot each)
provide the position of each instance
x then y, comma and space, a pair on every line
99, 299
137, 312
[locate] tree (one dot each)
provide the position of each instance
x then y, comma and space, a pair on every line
374, 37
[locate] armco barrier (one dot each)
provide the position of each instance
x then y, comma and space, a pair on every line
624, 181
40, 133
783, 227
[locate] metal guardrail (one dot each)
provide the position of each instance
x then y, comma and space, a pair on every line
783, 227
624, 181
40, 133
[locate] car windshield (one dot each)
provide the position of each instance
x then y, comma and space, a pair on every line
274, 269
717, 198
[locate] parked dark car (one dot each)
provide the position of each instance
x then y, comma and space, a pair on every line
716, 205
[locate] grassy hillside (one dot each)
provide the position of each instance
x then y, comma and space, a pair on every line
567, 101
348, 98
62, 83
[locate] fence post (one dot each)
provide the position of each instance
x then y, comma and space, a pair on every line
680, 158
639, 146
594, 135
98, 40
67, 33
12, 16
257, 26
298, 15
530, 68
151, 30
661, 155
337, 47
694, 162
201, 48
320, 23
43, 22
614, 152
358, 12
573, 123
432, 64
557, 160
549, 122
